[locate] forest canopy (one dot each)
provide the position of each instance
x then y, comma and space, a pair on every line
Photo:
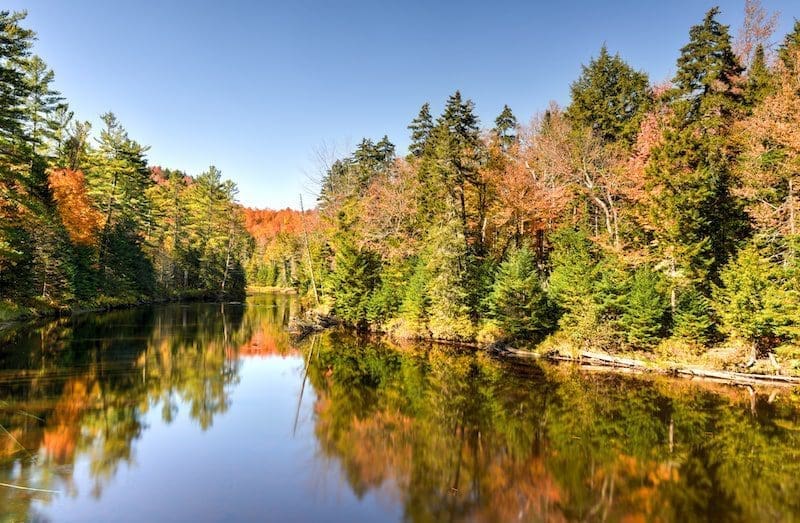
639, 216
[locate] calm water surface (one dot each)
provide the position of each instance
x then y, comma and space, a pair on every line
208, 412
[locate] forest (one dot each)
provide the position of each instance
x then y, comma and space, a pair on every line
85, 221
652, 217
657, 217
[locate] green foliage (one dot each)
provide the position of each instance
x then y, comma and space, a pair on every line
505, 128
692, 319
415, 304
708, 69
610, 98
517, 300
354, 276
586, 286
756, 301
790, 44
759, 78
420, 128
449, 313
645, 308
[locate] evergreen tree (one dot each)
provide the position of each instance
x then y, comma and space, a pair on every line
420, 128
755, 302
645, 308
416, 303
355, 275
505, 128
694, 220
708, 74
692, 317
610, 98
759, 78
448, 290
456, 151
15, 45
517, 300
790, 42
586, 286
41, 105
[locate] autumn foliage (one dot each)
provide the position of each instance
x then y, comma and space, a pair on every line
78, 214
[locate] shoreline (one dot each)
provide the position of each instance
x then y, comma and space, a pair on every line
628, 363
33, 315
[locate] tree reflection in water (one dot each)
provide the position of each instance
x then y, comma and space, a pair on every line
463, 436
445, 434
82, 387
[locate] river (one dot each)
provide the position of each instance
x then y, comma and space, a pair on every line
209, 412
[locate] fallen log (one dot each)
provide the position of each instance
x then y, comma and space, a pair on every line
596, 360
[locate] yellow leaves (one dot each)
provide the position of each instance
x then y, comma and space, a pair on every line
79, 216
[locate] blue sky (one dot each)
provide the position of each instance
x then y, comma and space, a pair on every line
257, 87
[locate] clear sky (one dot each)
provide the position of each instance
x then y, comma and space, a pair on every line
257, 87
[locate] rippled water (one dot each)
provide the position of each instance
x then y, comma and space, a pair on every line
207, 412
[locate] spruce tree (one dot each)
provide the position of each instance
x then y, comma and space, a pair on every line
645, 308
517, 300
694, 220
610, 97
355, 275
448, 289
420, 129
755, 301
692, 319
759, 78
586, 286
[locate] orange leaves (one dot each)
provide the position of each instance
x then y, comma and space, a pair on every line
79, 216
266, 224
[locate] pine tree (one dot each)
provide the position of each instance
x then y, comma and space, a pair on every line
517, 300
420, 128
610, 98
505, 128
40, 109
15, 45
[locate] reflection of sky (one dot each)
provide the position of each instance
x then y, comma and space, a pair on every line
246, 466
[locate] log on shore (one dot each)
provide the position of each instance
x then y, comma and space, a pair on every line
598, 360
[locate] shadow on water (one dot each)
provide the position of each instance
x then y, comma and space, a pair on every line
439, 434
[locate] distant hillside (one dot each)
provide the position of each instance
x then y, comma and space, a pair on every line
265, 224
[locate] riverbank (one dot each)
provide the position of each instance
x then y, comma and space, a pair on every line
255, 289
723, 364
12, 313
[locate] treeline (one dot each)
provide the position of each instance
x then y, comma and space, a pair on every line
85, 220
637, 214
277, 257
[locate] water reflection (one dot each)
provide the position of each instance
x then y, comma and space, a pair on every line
467, 437
433, 433
83, 386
